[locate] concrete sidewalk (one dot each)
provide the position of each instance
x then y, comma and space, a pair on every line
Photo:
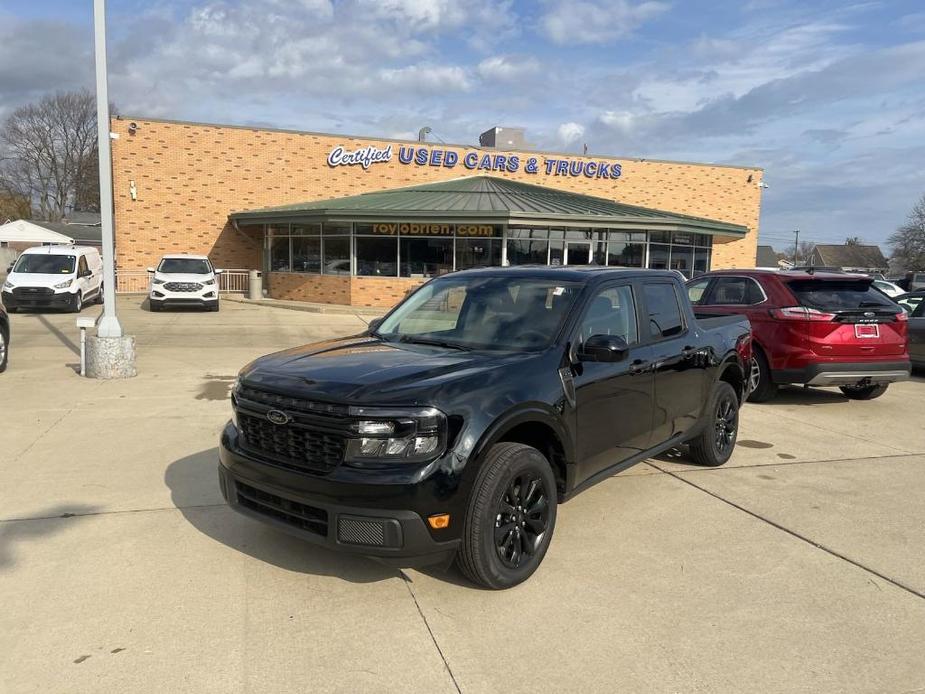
795, 568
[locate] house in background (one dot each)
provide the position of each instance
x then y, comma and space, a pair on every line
770, 259
850, 257
84, 227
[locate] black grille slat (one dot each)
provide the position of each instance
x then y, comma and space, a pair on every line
293, 513
292, 446
285, 402
32, 291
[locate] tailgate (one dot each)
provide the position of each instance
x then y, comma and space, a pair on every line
848, 318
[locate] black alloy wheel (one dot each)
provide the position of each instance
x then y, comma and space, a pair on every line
726, 423
719, 428
522, 519
511, 517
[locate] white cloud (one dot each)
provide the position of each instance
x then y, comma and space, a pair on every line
427, 78
570, 133
597, 21
506, 68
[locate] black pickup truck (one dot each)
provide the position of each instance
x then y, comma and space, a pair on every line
454, 426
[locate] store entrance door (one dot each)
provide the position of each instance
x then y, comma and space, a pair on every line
577, 253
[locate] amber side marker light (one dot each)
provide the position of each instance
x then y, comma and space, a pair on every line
439, 521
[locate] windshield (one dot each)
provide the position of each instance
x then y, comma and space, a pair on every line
834, 295
35, 264
185, 266
503, 313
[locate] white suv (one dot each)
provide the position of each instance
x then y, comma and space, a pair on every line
184, 280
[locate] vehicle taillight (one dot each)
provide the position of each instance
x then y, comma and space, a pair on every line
802, 313
902, 316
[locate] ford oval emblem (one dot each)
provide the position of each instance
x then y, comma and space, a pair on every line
278, 417
869, 314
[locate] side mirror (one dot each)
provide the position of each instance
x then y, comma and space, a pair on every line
374, 325
10, 268
150, 269
606, 348
217, 271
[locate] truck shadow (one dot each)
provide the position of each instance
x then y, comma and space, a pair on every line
194, 490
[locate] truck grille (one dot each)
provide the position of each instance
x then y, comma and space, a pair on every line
284, 402
182, 286
302, 516
292, 445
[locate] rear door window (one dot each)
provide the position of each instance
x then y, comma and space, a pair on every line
838, 295
664, 310
735, 291
697, 290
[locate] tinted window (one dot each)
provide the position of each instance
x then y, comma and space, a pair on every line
735, 290
696, 289
611, 312
664, 310
837, 294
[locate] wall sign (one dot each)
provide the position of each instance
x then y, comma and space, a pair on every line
474, 160
411, 229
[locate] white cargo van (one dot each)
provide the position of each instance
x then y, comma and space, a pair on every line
67, 277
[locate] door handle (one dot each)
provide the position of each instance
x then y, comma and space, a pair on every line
640, 366
688, 351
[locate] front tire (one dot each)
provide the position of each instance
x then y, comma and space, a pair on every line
716, 441
510, 519
864, 392
77, 303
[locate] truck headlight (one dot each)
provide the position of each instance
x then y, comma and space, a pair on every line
396, 435
63, 285
209, 281
7, 285
157, 281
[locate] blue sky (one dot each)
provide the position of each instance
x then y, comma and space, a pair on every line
828, 97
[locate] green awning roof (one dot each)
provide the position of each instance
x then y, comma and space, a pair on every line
487, 200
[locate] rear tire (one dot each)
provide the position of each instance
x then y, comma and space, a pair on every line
864, 392
716, 441
763, 388
510, 519
99, 295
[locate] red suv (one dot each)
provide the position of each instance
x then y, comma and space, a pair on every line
812, 328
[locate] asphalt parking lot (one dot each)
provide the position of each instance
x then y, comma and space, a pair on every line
797, 567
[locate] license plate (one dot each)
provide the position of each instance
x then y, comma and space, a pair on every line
866, 330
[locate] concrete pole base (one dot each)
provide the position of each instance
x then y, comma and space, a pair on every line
111, 357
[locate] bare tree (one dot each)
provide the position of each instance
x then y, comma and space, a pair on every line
48, 154
13, 206
908, 241
806, 250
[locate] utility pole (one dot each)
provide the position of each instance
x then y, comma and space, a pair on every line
109, 324
796, 246
110, 354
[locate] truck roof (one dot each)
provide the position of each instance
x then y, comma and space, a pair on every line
58, 249
566, 273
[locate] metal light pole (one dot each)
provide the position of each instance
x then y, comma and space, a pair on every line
796, 246
109, 325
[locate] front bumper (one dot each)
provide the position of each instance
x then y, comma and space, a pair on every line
187, 300
365, 519
57, 300
846, 374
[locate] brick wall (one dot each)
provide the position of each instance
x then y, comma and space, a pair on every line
189, 177
376, 292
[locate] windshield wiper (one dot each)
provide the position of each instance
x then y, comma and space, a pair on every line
413, 339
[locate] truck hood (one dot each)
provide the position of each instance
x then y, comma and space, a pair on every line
368, 370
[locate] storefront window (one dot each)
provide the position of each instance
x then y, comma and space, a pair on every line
477, 253
527, 246
306, 254
682, 260
658, 256
377, 256
336, 255
279, 254
626, 254
426, 257
337, 228
701, 261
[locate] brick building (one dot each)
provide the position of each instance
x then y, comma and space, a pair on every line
361, 220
